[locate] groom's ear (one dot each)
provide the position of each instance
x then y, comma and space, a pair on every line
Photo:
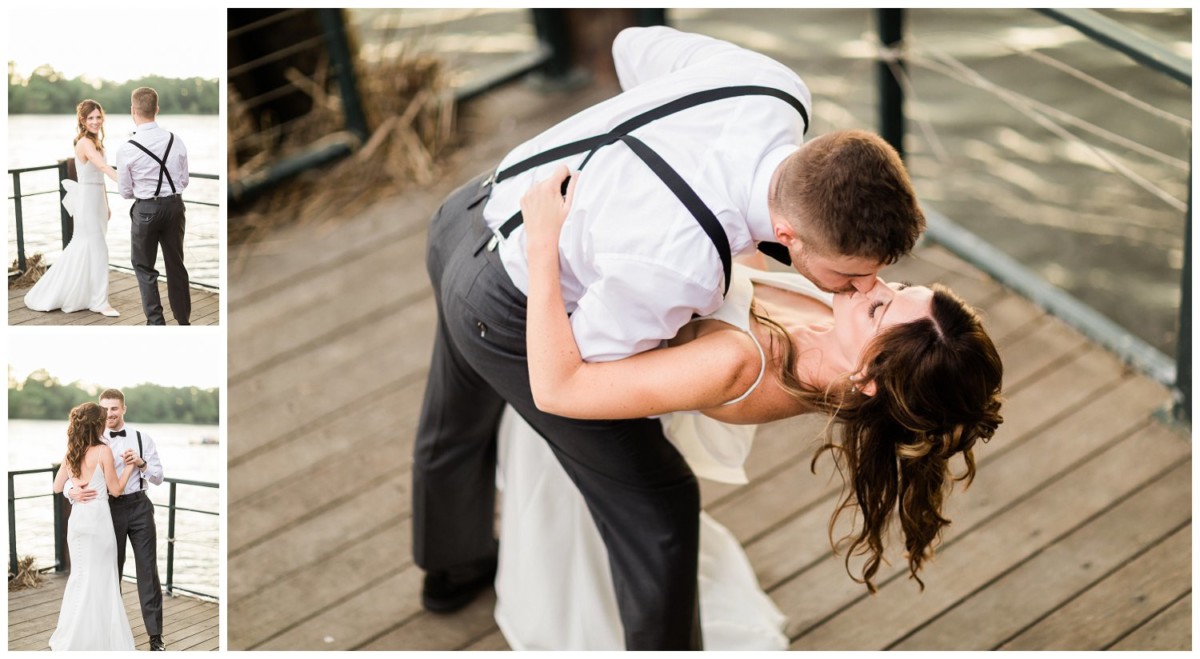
784, 233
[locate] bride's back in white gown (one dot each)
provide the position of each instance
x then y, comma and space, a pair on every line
92, 615
79, 278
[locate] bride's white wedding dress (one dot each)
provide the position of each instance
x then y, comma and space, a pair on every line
79, 278
93, 614
553, 585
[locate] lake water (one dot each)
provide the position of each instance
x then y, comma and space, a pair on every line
39, 444
36, 140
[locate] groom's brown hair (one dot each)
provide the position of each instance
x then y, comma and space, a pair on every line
113, 394
848, 193
145, 102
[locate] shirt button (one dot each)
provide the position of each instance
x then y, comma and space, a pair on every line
482, 328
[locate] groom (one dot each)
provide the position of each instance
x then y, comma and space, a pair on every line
132, 512
152, 169
696, 162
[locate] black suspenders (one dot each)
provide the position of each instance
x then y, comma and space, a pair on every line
162, 171
139, 435
686, 195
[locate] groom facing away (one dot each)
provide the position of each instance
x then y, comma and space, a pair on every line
132, 512
152, 169
701, 158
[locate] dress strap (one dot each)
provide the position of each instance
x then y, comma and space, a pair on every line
762, 369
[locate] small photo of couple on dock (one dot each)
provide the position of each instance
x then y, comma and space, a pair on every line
114, 476
114, 169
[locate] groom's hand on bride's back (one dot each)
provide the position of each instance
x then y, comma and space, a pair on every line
81, 494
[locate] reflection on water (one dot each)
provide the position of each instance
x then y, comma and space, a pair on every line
38, 444
36, 140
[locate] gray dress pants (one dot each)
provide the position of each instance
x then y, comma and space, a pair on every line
641, 493
155, 222
133, 518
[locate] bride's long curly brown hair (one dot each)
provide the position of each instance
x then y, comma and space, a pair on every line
937, 391
85, 107
83, 432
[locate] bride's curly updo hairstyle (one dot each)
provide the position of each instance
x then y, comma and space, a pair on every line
83, 432
85, 107
937, 392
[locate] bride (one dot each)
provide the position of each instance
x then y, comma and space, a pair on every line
93, 615
907, 372
79, 279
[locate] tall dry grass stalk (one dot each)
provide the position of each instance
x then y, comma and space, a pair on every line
410, 112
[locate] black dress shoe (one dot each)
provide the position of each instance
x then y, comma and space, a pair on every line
445, 591
156, 643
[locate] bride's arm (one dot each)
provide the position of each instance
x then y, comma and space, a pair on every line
700, 374
116, 485
88, 151
60, 479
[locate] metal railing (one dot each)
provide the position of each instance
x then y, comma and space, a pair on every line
1177, 373
64, 172
60, 525
551, 58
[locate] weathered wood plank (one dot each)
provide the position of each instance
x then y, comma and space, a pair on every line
356, 620
1036, 588
390, 368
980, 556
1107, 612
430, 631
334, 526
272, 607
1169, 630
1010, 466
188, 622
124, 296
283, 326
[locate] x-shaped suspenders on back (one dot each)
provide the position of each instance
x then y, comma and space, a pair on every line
705, 217
162, 163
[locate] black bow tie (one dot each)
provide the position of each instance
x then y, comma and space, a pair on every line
116, 433
776, 251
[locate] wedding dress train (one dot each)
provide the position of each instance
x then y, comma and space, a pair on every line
92, 615
553, 585
79, 278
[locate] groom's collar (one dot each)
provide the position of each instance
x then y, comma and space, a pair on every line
146, 126
758, 216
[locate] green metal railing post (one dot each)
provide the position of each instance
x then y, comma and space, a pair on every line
551, 28
339, 52
12, 527
60, 526
1183, 349
16, 176
647, 16
171, 543
68, 223
891, 95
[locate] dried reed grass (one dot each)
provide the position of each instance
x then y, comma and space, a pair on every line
35, 267
410, 110
27, 575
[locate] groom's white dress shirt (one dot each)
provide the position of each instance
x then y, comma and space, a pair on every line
154, 469
635, 263
137, 173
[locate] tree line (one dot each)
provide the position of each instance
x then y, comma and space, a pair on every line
47, 91
42, 396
